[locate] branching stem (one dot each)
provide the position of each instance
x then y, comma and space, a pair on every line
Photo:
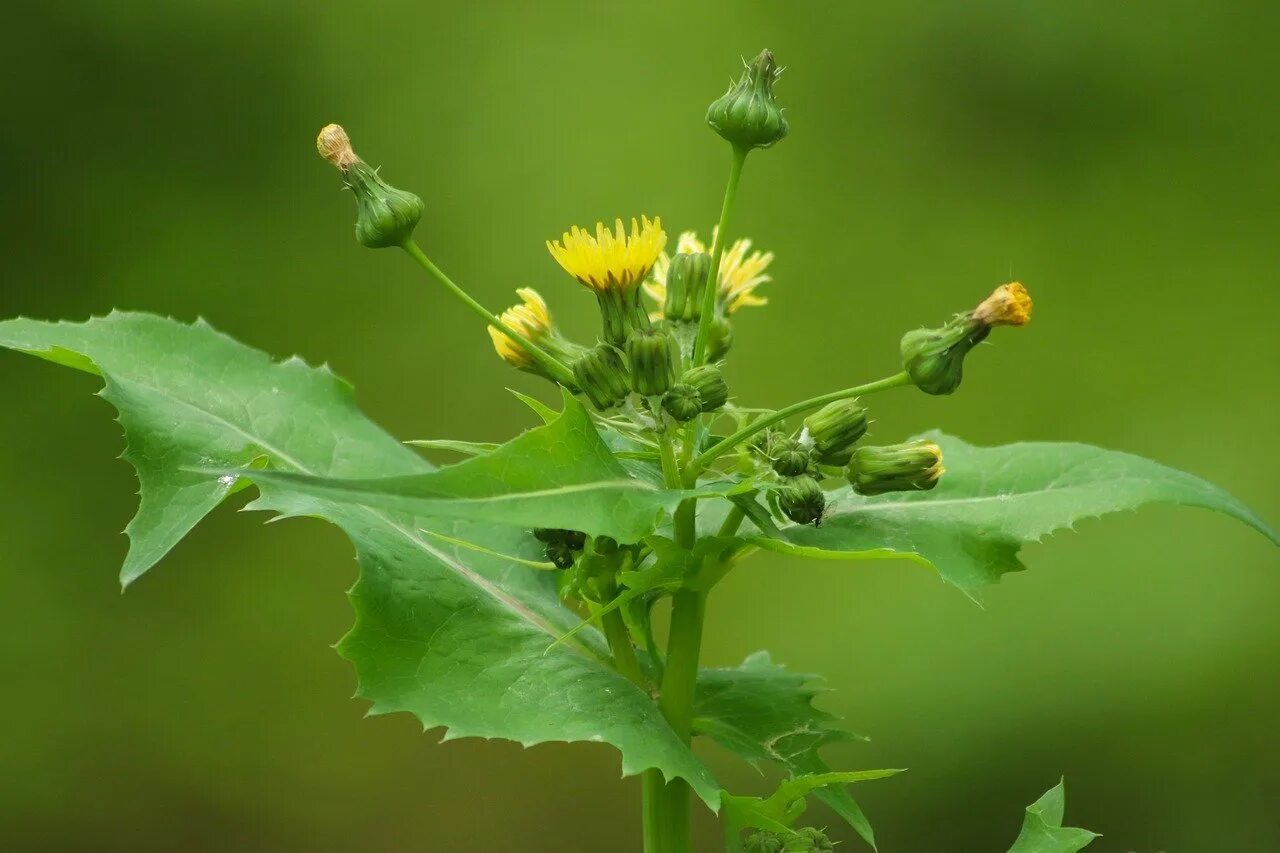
717, 251
701, 462
554, 367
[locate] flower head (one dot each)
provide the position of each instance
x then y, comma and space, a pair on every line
741, 272
531, 320
610, 261
1008, 305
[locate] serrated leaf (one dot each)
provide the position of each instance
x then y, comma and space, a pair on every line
779, 811
993, 500
561, 475
761, 712
1042, 829
456, 637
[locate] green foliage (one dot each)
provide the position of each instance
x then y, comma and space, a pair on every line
459, 620
457, 638
1042, 829
761, 712
993, 500
778, 812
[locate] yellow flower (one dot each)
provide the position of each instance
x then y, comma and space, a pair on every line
741, 272
1008, 305
531, 320
611, 261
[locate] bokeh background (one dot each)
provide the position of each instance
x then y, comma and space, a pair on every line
1119, 158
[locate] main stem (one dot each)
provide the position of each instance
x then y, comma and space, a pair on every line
554, 367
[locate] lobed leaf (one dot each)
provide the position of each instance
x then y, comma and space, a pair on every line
993, 500
761, 712
1042, 829
456, 637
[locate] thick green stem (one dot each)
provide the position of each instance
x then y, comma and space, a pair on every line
554, 367
702, 461
679, 682
717, 250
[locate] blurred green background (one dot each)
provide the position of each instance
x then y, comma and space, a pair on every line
1118, 158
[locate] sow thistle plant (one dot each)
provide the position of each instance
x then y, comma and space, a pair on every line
514, 594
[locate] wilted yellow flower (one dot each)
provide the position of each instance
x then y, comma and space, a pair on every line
610, 261
741, 272
531, 320
1008, 305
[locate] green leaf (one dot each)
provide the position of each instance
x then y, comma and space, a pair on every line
1042, 829
560, 475
761, 712
993, 500
467, 448
456, 637
778, 812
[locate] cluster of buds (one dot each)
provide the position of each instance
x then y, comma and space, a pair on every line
827, 445
806, 840
562, 546
664, 359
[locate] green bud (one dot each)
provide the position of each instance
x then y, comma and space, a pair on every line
719, 339
710, 384
653, 355
622, 314
803, 500
682, 402
559, 554
808, 840
385, 216
913, 466
762, 842
747, 115
934, 358
834, 428
602, 376
790, 458
686, 277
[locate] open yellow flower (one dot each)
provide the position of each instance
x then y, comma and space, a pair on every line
531, 320
741, 272
610, 261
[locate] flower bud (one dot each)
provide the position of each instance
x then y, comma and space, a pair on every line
532, 321
808, 839
915, 465
791, 458
802, 500
834, 428
762, 842
653, 356
710, 384
682, 402
934, 358
602, 376
686, 278
747, 116
719, 339
385, 216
